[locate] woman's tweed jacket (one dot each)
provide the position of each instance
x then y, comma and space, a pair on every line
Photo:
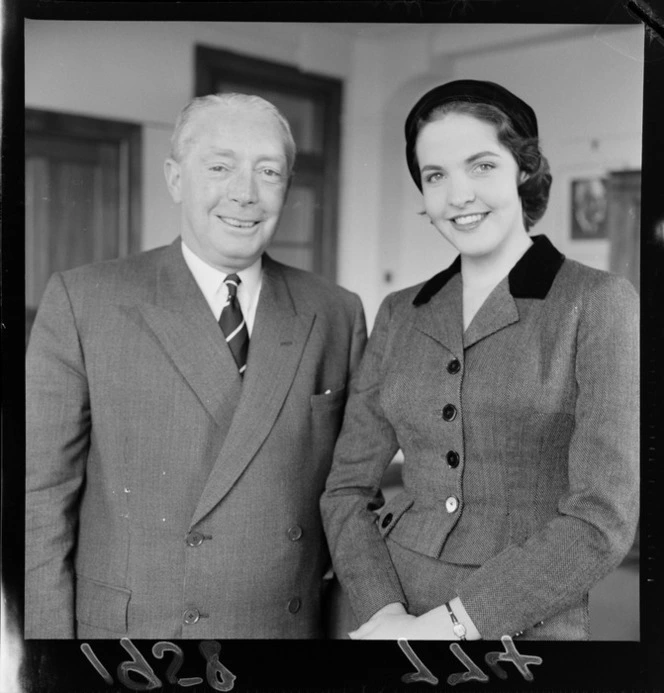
520, 439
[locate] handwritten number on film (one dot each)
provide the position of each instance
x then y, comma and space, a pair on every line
473, 672
219, 678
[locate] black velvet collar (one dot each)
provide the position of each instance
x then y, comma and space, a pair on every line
531, 277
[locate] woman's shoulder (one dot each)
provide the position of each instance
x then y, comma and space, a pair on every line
421, 293
595, 287
402, 301
585, 274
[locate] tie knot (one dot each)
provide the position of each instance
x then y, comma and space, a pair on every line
232, 281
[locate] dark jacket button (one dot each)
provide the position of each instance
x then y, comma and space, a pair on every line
295, 533
194, 539
453, 366
294, 605
191, 616
386, 520
449, 412
453, 459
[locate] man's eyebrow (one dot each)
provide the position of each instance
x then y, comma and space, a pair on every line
219, 152
232, 154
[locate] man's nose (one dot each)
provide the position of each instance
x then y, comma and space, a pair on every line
461, 191
242, 188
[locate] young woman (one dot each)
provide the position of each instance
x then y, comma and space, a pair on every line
510, 382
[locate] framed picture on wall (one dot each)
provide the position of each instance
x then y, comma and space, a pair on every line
588, 208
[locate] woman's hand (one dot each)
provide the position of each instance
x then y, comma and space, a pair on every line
392, 622
387, 623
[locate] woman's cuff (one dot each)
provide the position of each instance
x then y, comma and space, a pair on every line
462, 615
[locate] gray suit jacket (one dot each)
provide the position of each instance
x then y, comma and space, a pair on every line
520, 438
166, 497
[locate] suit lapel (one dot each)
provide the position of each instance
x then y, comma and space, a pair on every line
277, 342
441, 317
498, 310
184, 325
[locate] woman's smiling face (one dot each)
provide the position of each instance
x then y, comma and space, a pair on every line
469, 183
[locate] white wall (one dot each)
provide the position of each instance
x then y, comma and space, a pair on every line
583, 82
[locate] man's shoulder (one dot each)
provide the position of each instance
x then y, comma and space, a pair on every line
138, 268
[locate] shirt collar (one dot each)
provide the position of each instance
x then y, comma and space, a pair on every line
209, 278
531, 277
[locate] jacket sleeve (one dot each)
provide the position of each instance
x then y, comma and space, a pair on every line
359, 337
57, 441
365, 447
597, 517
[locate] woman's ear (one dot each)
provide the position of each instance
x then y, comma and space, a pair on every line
523, 177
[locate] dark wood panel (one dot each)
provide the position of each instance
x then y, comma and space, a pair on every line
83, 195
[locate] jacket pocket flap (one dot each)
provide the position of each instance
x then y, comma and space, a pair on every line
101, 605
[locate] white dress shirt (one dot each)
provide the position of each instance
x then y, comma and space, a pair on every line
211, 282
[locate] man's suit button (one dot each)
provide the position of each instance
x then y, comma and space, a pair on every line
294, 605
295, 532
453, 459
451, 504
191, 616
194, 539
449, 412
386, 520
454, 366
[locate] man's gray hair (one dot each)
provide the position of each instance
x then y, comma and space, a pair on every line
181, 137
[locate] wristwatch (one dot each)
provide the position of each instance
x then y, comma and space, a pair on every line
457, 627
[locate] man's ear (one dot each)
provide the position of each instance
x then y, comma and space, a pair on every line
173, 179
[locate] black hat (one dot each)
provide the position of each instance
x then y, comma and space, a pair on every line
519, 112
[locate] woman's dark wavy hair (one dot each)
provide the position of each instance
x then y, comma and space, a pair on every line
534, 191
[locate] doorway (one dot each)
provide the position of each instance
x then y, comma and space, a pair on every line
82, 195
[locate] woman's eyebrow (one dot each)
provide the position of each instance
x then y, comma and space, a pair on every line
472, 158
481, 155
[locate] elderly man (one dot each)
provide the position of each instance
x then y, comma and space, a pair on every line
182, 408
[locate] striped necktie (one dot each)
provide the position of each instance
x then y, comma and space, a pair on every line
233, 325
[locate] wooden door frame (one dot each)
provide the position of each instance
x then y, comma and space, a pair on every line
128, 137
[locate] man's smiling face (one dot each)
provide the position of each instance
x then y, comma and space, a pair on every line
231, 183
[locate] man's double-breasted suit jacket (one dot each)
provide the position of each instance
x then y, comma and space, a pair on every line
167, 497
520, 442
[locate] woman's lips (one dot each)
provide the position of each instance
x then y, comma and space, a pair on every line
467, 222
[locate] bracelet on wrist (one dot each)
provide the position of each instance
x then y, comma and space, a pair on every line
457, 627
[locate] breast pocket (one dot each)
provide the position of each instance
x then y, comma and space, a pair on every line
328, 400
327, 412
